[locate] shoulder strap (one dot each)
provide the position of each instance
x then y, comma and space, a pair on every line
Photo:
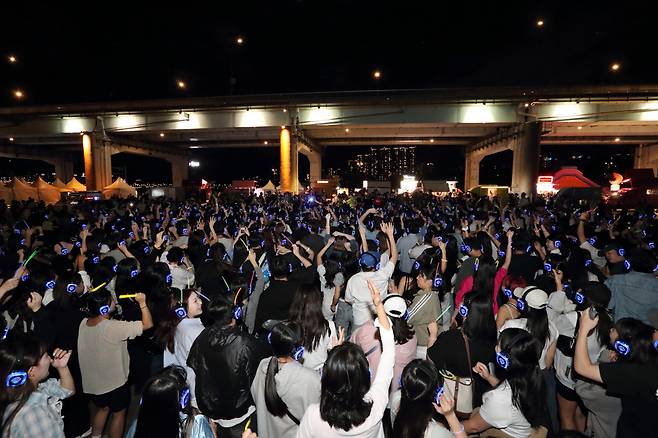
292, 417
468, 354
372, 350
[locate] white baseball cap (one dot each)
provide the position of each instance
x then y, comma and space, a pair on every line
533, 296
395, 306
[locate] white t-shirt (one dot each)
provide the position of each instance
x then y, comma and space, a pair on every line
598, 260
522, 324
315, 359
498, 411
358, 294
186, 332
328, 292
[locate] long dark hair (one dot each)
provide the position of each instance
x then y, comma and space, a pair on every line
28, 350
345, 380
640, 338
420, 379
126, 283
285, 337
306, 310
537, 324
166, 328
483, 277
522, 373
161, 403
480, 324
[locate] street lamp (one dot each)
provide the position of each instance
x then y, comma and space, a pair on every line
377, 74
194, 163
615, 66
12, 59
181, 84
540, 23
239, 40
18, 94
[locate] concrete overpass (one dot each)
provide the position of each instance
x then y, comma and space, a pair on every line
483, 121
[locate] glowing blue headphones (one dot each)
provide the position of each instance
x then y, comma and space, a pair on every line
168, 279
134, 273
521, 303
50, 284
64, 251
528, 249
548, 267
25, 277
507, 292
501, 253
497, 236
19, 376
115, 267
104, 310
71, 287
96, 260
592, 241
557, 243
438, 281
237, 313
652, 245
463, 310
416, 265
131, 235
5, 332
437, 395
579, 298
180, 312
627, 265
655, 343
465, 249
622, 347
122, 243
588, 263
184, 398
147, 249
23, 241
621, 252
502, 359
297, 353
476, 265
78, 244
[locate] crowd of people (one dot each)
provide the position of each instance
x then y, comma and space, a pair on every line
371, 315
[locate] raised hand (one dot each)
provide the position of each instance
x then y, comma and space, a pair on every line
34, 301
61, 358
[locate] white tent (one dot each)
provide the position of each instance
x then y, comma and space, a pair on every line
76, 185
120, 189
269, 187
59, 184
22, 191
47, 193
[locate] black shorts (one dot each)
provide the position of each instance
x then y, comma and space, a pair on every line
117, 399
566, 392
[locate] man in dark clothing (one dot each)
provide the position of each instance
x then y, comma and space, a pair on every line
225, 360
523, 263
275, 301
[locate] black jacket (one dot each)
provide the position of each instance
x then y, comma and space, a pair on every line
225, 360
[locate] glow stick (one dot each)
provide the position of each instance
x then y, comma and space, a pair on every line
121, 297
444, 312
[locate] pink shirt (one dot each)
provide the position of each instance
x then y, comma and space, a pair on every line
367, 338
467, 285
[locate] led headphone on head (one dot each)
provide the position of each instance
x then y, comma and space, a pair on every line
96, 260
502, 359
521, 303
507, 292
476, 265
104, 309
588, 263
71, 288
501, 253
652, 245
463, 310
548, 267
168, 279
438, 281
557, 243
180, 312
416, 265
64, 251
363, 264
134, 273
18, 377
627, 265
50, 284
184, 398
579, 298
437, 395
465, 248
621, 251
296, 354
622, 347
592, 241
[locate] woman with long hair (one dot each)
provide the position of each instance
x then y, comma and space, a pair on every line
350, 404
425, 309
421, 395
306, 311
515, 405
367, 337
283, 389
633, 376
331, 280
478, 333
178, 330
28, 402
570, 414
165, 410
486, 279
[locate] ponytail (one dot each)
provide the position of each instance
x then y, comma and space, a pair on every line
275, 405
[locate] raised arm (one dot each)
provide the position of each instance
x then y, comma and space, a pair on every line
581, 362
581, 227
318, 258
147, 321
508, 252
304, 260
388, 230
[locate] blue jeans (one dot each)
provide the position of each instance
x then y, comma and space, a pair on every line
343, 317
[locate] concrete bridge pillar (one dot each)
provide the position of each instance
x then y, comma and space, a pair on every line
288, 150
98, 161
646, 157
525, 165
472, 170
179, 171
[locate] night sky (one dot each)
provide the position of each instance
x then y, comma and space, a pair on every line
139, 50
